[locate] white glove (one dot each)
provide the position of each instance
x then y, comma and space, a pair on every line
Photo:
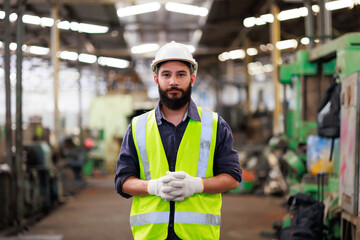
184, 185
161, 187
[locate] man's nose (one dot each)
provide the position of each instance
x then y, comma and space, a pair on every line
174, 81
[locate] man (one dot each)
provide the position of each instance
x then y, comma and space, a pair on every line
176, 159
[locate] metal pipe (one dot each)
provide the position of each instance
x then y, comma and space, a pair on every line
275, 56
248, 59
7, 40
325, 23
80, 94
55, 62
310, 24
19, 134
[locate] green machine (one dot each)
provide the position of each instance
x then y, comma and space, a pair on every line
308, 77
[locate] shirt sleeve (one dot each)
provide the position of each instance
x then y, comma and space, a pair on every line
127, 163
226, 159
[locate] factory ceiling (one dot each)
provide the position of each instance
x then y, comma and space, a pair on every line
213, 32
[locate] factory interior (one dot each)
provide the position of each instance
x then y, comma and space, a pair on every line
284, 75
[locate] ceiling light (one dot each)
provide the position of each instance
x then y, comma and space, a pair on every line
267, 17
291, 43
292, 13
224, 56
13, 17
39, 50
138, 9
2, 14
47, 22
67, 55
91, 28
335, 5
113, 62
249, 22
270, 47
237, 54
251, 51
315, 8
186, 9
74, 26
12, 46
145, 48
87, 58
30, 19
263, 47
305, 40
260, 21
65, 25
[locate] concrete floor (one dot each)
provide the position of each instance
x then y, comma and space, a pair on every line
99, 213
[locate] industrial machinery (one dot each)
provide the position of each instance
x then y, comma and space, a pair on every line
309, 76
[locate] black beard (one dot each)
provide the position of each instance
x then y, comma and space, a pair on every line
175, 103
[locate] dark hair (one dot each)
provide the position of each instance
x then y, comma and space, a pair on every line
189, 65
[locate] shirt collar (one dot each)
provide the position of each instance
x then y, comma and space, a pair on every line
191, 112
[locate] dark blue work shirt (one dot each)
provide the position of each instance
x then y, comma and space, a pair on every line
225, 158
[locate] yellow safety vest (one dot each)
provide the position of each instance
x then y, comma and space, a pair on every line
198, 216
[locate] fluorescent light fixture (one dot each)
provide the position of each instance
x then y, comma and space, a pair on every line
224, 56
65, 25
145, 48
1, 44
113, 62
251, 51
291, 43
186, 9
12, 46
292, 13
138, 9
335, 5
39, 50
30, 19
267, 17
67, 55
260, 21
13, 17
270, 47
249, 22
74, 26
91, 28
46, 22
305, 40
2, 14
191, 48
315, 8
263, 47
268, 68
237, 54
87, 58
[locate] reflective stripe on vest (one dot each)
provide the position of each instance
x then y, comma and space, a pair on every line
180, 217
140, 138
205, 141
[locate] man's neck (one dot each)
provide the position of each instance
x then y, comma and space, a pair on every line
174, 116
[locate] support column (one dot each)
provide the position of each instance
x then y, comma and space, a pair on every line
248, 59
325, 25
19, 133
275, 56
7, 40
310, 24
55, 38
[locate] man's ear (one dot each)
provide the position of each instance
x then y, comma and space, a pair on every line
156, 79
192, 79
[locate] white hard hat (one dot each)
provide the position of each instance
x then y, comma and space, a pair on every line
174, 51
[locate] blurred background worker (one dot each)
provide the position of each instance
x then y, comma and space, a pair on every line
177, 159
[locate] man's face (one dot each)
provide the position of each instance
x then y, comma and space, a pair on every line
174, 83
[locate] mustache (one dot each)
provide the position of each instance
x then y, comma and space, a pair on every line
175, 88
